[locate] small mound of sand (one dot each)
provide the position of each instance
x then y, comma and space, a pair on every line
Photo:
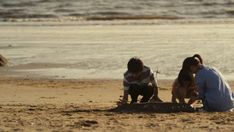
3, 60
165, 107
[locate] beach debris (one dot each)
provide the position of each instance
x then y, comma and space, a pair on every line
162, 107
3, 61
157, 71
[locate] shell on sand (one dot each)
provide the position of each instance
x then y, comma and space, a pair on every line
3, 60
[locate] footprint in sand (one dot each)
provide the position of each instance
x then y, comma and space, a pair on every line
187, 120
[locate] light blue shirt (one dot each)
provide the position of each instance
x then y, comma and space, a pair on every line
214, 91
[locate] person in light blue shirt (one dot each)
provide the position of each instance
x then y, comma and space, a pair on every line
214, 91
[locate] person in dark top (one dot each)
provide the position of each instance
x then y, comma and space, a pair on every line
139, 80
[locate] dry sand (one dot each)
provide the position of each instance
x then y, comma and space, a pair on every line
82, 105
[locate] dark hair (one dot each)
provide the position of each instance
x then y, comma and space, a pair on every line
185, 76
190, 61
198, 57
135, 65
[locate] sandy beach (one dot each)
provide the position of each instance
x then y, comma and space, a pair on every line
83, 105
66, 59
43, 86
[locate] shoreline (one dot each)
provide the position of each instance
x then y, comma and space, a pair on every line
45, 22
95, 51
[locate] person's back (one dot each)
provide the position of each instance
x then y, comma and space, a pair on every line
214, 90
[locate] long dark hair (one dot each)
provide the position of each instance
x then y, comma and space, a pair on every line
185, 75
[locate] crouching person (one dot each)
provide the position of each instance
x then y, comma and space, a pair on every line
214, 91
139, 80
184, 87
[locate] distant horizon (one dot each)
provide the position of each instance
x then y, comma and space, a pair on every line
94, 10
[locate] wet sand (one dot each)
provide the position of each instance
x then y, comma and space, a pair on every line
83, 105
93, 51
33, 103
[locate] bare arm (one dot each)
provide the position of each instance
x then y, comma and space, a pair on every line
125, 96
125, 91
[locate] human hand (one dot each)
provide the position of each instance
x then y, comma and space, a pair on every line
121, 101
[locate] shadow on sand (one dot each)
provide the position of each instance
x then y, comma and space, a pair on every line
165, 107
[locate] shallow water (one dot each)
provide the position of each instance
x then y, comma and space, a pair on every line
73, 10
102, 51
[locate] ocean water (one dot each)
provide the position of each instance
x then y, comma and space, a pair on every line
102, 51
77, 10
96, 38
